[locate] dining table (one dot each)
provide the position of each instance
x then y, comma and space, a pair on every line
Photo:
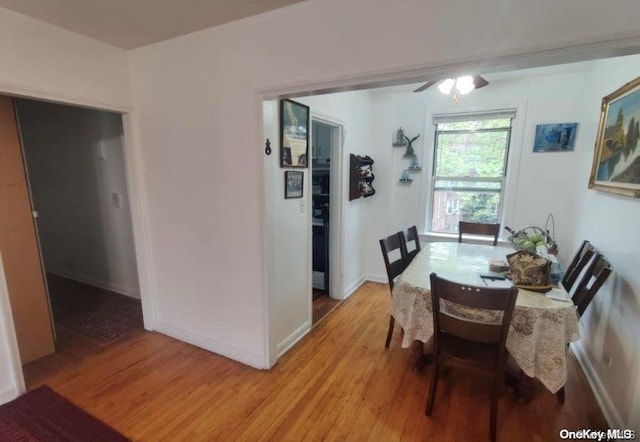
542, 325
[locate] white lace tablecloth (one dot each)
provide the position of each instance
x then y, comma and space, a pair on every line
540, 328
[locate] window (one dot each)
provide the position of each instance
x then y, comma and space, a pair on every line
469, 168
452, 206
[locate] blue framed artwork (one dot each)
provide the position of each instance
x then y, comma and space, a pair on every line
555, 137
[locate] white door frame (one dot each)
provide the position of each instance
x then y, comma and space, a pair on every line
336, 210
9, 343
139, 219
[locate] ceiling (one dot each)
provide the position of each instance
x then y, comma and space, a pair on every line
130, 24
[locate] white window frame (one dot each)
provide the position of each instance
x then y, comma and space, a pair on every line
513, 163
453, 210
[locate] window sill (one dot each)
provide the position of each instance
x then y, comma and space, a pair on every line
453, 237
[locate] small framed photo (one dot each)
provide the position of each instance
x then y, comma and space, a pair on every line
555, 137
293, 184
616, 167
294, 134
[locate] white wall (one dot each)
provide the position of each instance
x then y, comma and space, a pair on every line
200, 125
289, 260
75, 161
44, 61
398, 204
611, 325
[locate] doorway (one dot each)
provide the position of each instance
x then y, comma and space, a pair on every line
73, 159
325, 150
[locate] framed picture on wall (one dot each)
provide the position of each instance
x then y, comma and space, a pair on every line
616, 158
555, 137
293, 184
294, 134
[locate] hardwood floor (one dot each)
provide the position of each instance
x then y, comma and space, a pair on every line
322, 305
338, 383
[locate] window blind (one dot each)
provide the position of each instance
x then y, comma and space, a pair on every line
474, 116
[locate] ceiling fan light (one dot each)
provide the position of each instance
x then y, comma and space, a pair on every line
465, 84
446, 85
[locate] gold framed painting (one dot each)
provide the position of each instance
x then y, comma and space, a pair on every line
616, 159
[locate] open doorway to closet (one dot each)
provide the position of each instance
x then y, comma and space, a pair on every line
73, 167
325, 139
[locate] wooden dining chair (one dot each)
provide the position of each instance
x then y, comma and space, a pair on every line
469, 341
394, 265
579, 261
412, 238
592, 280
479, 229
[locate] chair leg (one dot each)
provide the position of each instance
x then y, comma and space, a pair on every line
560, 395
432, 388
392, 322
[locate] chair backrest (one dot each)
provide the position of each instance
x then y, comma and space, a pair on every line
499, 299
410, 237
396, 266
593, 278
582, 257
479, 229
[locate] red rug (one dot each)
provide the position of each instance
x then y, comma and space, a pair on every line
44, 415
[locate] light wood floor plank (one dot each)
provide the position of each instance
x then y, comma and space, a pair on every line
339, 383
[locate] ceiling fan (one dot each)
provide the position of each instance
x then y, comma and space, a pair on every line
463, 84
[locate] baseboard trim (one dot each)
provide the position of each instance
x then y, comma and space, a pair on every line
602, 397
132, 293
377, 278
292, 339
8, 396
250, 359
351, 288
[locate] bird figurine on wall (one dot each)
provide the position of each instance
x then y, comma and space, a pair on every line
410, 152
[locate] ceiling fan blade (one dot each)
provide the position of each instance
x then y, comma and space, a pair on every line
479, 82
426, 85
